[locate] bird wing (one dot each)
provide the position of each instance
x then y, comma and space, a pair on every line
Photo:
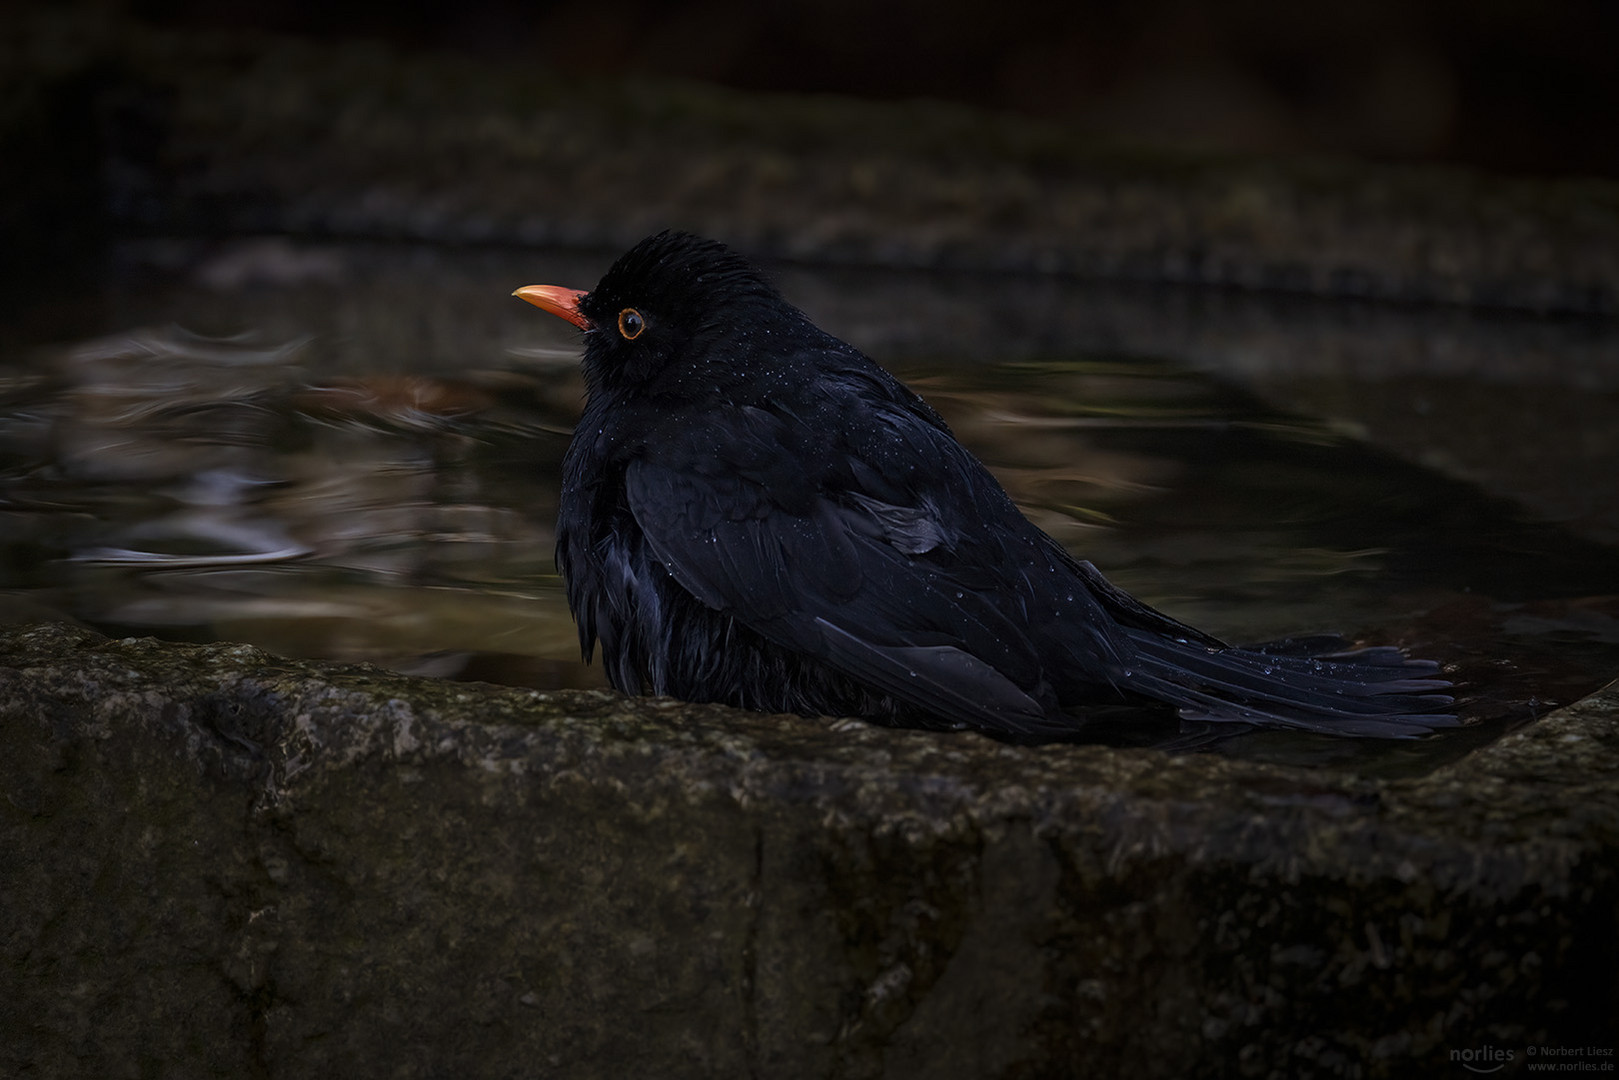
860, 584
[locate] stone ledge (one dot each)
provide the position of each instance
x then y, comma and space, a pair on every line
225, 861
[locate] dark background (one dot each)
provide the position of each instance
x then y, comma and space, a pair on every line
1511, 86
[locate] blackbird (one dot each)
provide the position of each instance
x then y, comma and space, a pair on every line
753, 512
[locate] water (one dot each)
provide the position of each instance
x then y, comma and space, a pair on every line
353, 454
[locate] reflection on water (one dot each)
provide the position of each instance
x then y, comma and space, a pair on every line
154, 481
212, 489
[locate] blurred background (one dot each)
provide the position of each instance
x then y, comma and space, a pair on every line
1257, 144
1508, 85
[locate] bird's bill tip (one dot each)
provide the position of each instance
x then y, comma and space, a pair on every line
559, 301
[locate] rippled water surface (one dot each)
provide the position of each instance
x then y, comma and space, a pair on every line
357, 458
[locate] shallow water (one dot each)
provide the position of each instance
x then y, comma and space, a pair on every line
353, 454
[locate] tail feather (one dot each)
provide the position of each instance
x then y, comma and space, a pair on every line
1372, 692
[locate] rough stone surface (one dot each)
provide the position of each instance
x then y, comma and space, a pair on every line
219, 862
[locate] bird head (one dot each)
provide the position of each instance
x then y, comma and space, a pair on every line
675, 310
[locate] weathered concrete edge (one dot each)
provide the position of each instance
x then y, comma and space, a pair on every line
1530, 824
1576, 745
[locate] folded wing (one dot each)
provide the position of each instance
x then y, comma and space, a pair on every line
860, 585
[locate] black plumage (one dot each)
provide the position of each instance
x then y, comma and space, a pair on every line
753, 512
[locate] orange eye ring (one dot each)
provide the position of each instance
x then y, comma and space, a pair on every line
630, 324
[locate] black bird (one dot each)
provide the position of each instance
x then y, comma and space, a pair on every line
753, 512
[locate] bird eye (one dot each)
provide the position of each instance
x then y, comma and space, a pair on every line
630, 323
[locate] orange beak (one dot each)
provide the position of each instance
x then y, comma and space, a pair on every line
559, 301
